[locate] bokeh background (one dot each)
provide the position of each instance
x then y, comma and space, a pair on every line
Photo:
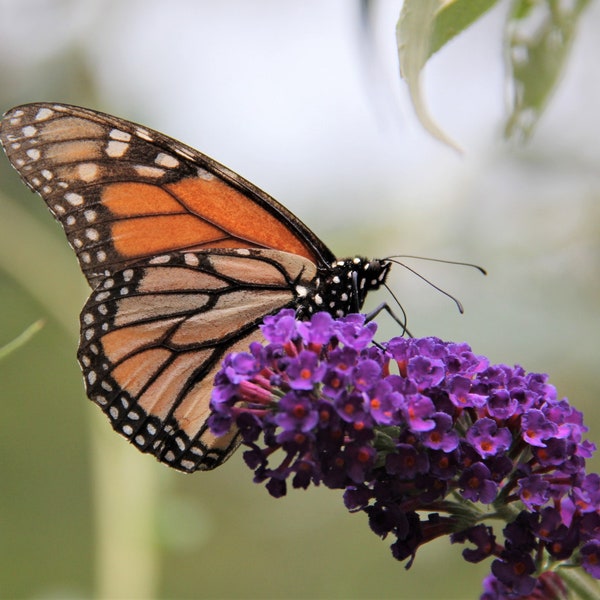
286, 94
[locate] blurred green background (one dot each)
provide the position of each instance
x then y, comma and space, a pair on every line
281, 93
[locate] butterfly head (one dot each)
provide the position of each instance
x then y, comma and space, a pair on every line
343, 287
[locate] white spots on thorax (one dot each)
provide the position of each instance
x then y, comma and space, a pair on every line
301, 291
116, 149
43, 114
318, 300
344, 297
146, 171
191, 259
33, 153
29, 131
166, 160
336, 279
87, 171
121, 136
74, 199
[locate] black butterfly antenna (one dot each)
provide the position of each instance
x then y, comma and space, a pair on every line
456, 301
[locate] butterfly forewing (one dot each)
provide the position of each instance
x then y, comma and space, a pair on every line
124, 192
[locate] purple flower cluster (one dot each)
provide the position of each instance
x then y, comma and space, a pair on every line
420, 434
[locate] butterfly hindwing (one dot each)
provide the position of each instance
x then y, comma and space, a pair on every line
153, 335
123, 192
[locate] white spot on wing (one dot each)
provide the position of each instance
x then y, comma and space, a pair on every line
116, 149
90, 215
144, 134
191, 259
74, 199
87, 171
43, 114
160, 260
146, 171
166, 160
29, 131
33, 153
121, 136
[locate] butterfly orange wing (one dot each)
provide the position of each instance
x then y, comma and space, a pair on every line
123, 192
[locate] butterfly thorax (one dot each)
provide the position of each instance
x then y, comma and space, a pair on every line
342, 288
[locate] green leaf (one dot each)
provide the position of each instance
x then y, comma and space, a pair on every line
423, 28
413, 35
454, 17
21, 339
539, 37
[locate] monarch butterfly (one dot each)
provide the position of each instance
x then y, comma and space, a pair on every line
184, 257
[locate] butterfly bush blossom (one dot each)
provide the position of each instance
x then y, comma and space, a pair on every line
425, 437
